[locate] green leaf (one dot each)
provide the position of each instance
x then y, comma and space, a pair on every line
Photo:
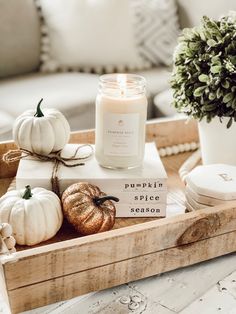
212, 96
202, 35
209, 107
203, 78
229, 123
211, 42
233, 59
225, 84
187, 33
199, 91
228, 105
197, 66
193, 46
216, 69
215, 59
228, 97
234, 104
218, 93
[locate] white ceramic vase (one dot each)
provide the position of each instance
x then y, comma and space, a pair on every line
218, 144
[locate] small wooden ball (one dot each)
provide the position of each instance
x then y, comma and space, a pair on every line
6, 230
10, 242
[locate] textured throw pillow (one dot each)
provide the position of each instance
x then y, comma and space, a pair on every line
156, 26
107, 35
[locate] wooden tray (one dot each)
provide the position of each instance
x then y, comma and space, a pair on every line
68, 265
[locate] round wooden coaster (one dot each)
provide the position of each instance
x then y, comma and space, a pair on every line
217, 181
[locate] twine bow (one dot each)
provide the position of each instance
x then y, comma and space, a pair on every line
18, 154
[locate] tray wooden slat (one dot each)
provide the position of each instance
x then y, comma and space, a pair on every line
113, 274
77, 255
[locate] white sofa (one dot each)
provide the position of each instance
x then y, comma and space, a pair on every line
22, 85
72, 93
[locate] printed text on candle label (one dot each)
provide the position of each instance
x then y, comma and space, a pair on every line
121, 134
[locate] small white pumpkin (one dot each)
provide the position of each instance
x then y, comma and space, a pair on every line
35, 216
41, 132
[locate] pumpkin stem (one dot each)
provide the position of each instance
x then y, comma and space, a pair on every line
27, 194
100, 200
39, 113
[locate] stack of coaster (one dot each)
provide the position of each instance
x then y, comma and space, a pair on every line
210, 185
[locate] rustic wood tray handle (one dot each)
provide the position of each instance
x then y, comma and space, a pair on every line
200, 229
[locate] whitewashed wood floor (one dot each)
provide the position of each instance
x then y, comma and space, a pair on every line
205, 288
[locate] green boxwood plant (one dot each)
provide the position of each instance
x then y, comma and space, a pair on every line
204, 75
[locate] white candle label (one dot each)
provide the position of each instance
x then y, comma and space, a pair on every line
121, 134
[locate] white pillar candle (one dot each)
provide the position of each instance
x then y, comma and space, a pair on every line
121, 112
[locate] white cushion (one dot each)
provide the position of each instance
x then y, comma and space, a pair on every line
157, 79
72, 93
162, 103
156, 29
107, 35
90, 35
191, 11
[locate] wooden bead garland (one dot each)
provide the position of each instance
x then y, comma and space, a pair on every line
7, 241
189, 164
177, 149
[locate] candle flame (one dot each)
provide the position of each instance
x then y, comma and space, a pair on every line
122, 81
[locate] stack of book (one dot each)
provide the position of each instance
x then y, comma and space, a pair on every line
142, 191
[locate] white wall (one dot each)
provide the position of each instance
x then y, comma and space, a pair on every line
191, 11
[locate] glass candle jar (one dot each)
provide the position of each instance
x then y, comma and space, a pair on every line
121, 113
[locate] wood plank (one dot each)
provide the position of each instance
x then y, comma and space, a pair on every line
169, 132
177, 289
166, 132
79, 254
69, 286
63, 306
104, 302
172, 291
217, 300
229, 284
7, 170
213, 302
4, 300
106, 305
4, 184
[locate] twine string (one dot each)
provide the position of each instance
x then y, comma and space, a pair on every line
18, 154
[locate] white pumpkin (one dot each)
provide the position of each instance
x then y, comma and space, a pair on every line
41, 132
35, 216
